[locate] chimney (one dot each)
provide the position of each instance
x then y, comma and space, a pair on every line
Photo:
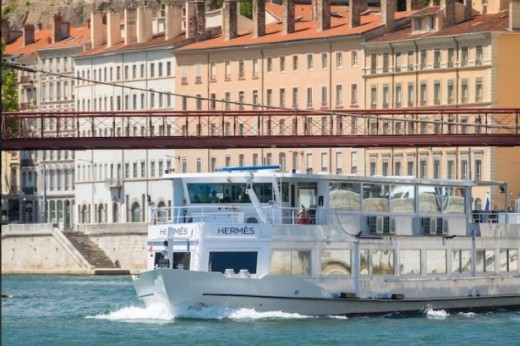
5, 30
130, 25
173, 25
258, 18
468, 9
288, 16
28, 34
144, 24
65, 30
323, 15
387, 14
113, 27
98, 33
314, 10
449, 12
196, 19
229, 19
356, 7
56, 28
412, 5
200, 13
514, 15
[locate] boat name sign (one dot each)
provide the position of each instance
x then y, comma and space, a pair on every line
233, 230
169, 231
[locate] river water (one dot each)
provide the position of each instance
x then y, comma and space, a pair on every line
104, 310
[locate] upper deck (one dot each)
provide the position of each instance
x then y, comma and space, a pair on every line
370, 205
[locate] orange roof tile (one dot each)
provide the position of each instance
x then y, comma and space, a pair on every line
42, 40
305, 29
478, 23
157, 40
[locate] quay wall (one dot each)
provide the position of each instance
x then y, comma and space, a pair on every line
44, 249
39, 249
124, 244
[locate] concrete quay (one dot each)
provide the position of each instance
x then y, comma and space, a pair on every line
99, 249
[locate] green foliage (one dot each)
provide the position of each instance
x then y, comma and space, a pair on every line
246, 6
11, 7
9, 99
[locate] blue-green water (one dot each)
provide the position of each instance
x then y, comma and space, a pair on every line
103, 310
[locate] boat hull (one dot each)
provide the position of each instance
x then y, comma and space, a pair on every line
180, 289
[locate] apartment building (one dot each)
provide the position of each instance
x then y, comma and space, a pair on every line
310, 59
449, 55
46, 184
129, 67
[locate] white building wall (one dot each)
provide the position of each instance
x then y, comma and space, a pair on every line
119, 185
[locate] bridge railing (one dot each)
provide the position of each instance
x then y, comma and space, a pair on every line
259, 123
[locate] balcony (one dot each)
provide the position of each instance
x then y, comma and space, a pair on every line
113, 183
26, 79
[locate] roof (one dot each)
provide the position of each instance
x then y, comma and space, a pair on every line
305, 28
42, 40
157, 41
427, 11
479, 23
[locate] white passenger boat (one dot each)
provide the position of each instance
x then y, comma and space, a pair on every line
320, 244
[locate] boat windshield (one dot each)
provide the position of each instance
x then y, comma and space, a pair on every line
228, 192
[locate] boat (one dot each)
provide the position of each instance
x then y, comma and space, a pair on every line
321, 244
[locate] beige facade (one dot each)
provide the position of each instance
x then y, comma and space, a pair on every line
469, 64
305, 69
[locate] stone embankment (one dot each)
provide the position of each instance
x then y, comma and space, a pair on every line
92, 249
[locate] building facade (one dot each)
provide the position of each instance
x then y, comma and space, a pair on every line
447, 56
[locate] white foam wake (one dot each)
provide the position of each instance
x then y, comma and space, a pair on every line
152, 314
219, 313
467, 314
436, 314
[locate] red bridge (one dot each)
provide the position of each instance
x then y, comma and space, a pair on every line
266, 128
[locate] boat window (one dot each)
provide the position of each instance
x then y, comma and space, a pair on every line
287, 262
453, 202
345, 196
307, 195
508, 260
410, 262
382, 262
435, 261
375, 197
430, 199
335, 262
220, 261
461, 261
227, 192
285, 192
181, 260
485, 261
403, 198
363, 262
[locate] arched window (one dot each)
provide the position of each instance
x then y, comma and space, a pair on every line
162, 214
115, 212
84, 214
60, 211
478, 204
101, 213
52, 211
136, 212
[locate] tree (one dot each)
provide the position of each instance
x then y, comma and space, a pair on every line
9, 99
246, 6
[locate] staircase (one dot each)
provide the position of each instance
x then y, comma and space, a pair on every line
90, 251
